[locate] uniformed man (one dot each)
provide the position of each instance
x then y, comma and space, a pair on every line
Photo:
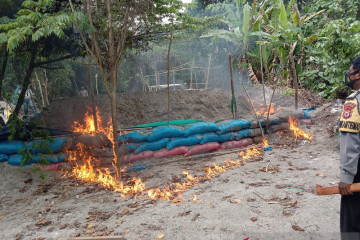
349, 156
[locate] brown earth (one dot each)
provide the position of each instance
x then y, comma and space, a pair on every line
270, 198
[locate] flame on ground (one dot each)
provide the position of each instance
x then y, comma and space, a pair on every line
298, 133
263, 110
265, 143
134, 187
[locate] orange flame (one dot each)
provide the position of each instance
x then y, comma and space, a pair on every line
298, 133
265, 143
264, 109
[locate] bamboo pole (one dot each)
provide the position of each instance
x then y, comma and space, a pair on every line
208, 73
41, 92
261, 68
232, 86
191, 73
294, 73
168, 74
252, 106
268, 113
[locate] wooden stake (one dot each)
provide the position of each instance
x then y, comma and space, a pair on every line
252, 106
295, 81
208, 73
261, 68
168, 74
267, 119
191, 73
232, 86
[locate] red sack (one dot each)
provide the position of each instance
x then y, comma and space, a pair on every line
51, 166
236, 144
175, 151
140, 156
208, 147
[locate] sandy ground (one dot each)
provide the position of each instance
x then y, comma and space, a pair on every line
245, 202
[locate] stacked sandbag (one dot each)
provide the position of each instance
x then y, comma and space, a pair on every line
9, 151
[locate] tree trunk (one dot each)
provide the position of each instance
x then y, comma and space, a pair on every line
26, 80
92, 97
3, 69
117, 160
40, 89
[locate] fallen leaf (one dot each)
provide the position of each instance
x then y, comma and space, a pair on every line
290, 164
91, 218
126, 211
1, 216
235, 200
90, 231
297, 228
89, 226
121, 222
254, 219
41, 222
195, 217
160, 236
126, 231
293, 204
151, 175
184, 213
321, 174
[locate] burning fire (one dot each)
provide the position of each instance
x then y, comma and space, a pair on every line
134, 187
298, 133
89, 124
264, 109
265, 143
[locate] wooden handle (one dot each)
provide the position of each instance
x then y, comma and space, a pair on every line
355, 187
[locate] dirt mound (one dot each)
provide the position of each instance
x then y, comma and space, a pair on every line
146, 107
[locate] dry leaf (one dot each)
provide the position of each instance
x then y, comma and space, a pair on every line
293, 204
321, 174
90, 231
290, 164
184, 213
151, 175
41, 222
126, 211
126, 231
160, 236
235, 200
91, 218
89, 226
297, 228
254, 219
121, 222
1, 216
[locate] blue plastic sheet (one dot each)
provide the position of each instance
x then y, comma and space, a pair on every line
188, 141
201, 127
153, 146
165, 132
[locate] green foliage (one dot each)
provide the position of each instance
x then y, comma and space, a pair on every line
330, 54
289, 91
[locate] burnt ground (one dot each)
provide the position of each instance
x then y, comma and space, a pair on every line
244, 202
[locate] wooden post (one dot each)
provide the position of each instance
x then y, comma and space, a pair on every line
294, 73
191, 73
208, 73
261, 70
168, 74
232, 86
96, 84
92, 96
173, 74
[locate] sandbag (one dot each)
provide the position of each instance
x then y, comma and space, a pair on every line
165, 132
51, 166
11, 147
236, 144
234, 125
245, 133
55, 146
136, 157
134, 137
286, 113
175, 151
153, 146
3, 157
96, 140
213, 137
278, 127
16, 159
201, 127
187, 141
273, 120
208, 147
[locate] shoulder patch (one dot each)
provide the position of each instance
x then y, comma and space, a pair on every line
347, 110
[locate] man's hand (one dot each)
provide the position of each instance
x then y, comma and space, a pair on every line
344, 189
